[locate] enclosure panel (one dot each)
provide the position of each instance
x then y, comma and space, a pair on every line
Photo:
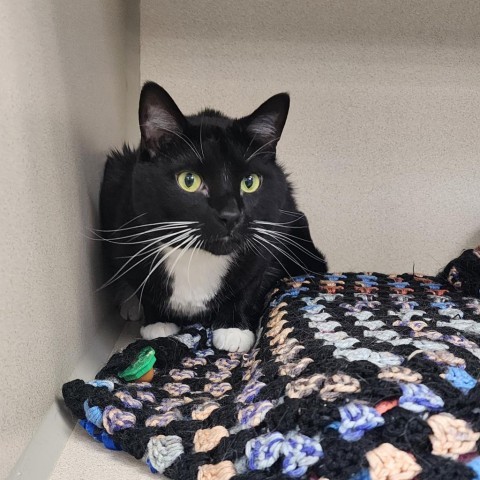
382, 138
63, 105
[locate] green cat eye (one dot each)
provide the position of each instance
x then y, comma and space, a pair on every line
250, 183
189, 181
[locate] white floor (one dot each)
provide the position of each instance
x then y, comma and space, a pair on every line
83, 458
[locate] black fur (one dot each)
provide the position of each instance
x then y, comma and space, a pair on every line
464, 272
141, 184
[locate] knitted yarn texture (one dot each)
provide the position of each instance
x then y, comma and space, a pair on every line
354, 376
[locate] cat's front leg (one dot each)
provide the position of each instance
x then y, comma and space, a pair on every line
233, 339
154, 328
128, 303
232, 331
159, 329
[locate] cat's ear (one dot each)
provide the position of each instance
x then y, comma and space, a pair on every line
159, 116
266, 123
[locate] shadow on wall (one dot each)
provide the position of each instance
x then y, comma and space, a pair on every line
95, 96
64, 91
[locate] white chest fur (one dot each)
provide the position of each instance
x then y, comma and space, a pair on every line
195, 279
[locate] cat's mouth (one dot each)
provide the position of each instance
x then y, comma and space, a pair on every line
223, 245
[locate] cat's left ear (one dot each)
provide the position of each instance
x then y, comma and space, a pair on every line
266, 123
159, 117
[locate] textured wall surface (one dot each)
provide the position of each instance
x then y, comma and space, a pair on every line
383, 135
62, 102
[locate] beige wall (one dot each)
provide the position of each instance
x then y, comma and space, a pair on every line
383, 135
63, 93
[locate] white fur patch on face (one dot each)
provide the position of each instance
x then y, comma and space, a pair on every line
159, 329
233, 339
196, 277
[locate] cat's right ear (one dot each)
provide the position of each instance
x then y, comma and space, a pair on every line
266, 123
159, 117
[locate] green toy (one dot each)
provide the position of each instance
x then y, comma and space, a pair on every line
141, 370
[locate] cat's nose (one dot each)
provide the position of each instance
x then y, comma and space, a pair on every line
230, 216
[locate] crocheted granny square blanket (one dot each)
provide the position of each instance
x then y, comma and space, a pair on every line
354, 376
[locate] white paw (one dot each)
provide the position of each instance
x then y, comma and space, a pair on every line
131, 309
233, 339
159, 329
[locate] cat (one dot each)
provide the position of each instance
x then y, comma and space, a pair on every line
200, 220
463, 272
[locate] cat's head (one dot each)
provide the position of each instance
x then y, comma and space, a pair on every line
218, 172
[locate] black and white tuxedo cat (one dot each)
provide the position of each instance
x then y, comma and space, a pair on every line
200, 221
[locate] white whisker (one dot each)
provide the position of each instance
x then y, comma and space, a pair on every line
148, 240
184, 249
249, 145
253, 247
294, 214
260, 243
261, 153
273, 224
201, 144
195, 247
262, 147
120, 273
152, 263
119, 229
279, 223
157, 265
286, 237
184, 138
126, 223
164, 257
292, 257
